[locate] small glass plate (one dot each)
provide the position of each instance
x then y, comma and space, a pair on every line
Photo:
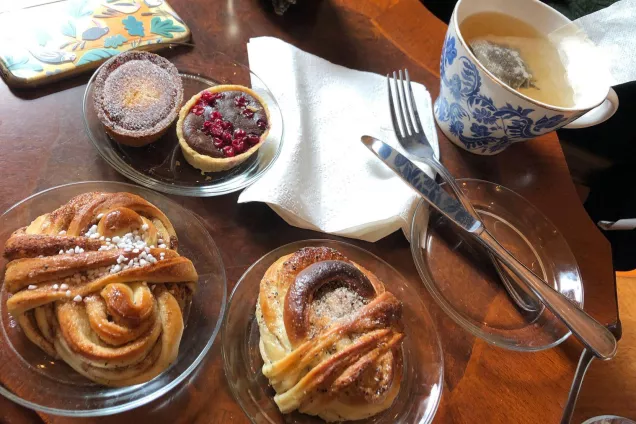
33, 379
421, 386
462, 279
608, 419
161, 165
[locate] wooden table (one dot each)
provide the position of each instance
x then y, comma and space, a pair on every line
43, 144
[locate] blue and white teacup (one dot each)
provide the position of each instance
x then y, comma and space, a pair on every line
481, 114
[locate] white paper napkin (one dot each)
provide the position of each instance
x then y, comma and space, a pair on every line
613, 30
598, 50
325, 179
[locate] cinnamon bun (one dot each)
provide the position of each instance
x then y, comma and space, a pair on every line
99, 284
331, 336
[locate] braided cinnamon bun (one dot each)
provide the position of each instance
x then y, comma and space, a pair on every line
330, 336
99, 284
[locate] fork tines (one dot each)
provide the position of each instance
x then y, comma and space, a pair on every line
409, 126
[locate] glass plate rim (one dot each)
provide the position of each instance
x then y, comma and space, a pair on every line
195, 191
427, 419
475, 330
164, 389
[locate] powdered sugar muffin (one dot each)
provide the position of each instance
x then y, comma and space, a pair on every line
137, 96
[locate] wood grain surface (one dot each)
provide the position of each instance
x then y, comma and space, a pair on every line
609, 387
43, 144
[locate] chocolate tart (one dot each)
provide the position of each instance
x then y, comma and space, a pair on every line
222, 126
137, 96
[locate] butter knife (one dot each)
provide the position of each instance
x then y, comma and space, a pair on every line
585, 328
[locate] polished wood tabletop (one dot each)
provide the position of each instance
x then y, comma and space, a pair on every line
43, 144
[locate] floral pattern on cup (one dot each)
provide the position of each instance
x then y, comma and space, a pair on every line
474, 120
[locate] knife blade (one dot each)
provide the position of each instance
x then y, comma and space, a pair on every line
417, 179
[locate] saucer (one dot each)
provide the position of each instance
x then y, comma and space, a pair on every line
37, 381
161, 165
462, 279
421, 386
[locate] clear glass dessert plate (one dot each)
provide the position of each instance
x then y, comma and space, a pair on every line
462, 279
160, 165
421, 387
33, 379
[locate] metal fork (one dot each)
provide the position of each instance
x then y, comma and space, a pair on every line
413, 139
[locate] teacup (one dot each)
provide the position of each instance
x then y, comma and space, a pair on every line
469, 93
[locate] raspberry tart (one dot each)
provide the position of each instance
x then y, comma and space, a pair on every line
137, 96
222, 126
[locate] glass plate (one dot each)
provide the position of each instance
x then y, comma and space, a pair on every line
161, 165
421, 387
33, 379
463, 281
608, 419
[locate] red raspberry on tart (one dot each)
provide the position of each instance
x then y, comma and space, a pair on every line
137, 97
222, 126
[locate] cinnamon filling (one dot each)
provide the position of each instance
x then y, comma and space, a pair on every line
352, 289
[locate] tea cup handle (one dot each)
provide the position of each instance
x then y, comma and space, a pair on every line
600, 113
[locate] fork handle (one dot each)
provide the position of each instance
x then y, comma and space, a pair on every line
577, 382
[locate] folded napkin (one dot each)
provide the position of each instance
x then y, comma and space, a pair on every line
324, 178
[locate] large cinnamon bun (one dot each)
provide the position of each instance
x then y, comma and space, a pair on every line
330, 336
99, 284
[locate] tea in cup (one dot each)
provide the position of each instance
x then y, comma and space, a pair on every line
503, 79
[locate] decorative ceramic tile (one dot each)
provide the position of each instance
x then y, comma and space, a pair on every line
48, 41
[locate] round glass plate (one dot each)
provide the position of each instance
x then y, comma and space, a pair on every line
463, 280
608, 419
161, 165
421, 387
33, 379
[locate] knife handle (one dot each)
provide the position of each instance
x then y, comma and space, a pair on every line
589, 331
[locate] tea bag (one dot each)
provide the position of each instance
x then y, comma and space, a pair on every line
504, 62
